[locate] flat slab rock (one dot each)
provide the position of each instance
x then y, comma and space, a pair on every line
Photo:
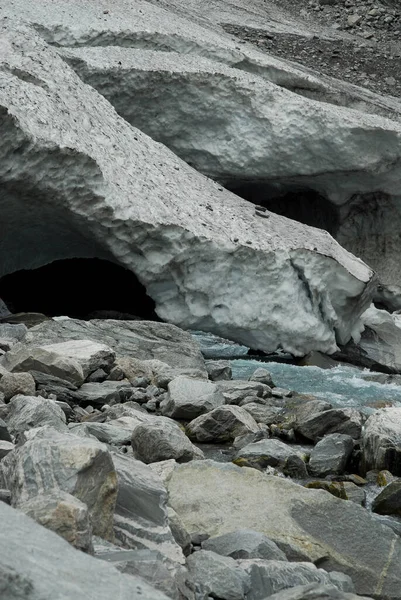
217, 498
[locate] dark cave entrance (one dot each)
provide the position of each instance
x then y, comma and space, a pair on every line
300, 204
82, 288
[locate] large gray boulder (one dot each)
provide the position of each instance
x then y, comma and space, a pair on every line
217, 498
21, 358
217, 576
223, 424
54, 461
270, 576
244, 543
90, 355
142, 340
141, 517
106, 392
381, 441
189, 398
268, 452
12, 384
388, 502
161, 439
331, 455
39, 565
187, 248
347, 421
237, 390
29, 412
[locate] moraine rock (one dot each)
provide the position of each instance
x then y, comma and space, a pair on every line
263, 414
4, 433
222, 425
262, 376
64, 514
29, 412
156, 344
114, 433
162, 439
106, 392
23, 358
90, 355
189, 398
347, 421
244, 543
298, 520
31, 567
218, 370
388, 502
316, 591
237, 390
184, 253
331, 455
381, 441
178, 530
53, 461
12, 384
5, 448
216, 576
141, 518
266, 453
270, 576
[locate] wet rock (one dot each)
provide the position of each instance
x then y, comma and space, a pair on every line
53, 461
161, 439
244, 543
295, 467
388, 502
381, 441
218, 576
31, 566
262, 376
218, 370
64, 514
222, 424
28, 412
12, 384
189, 398
298, 520
270, 452
331, 455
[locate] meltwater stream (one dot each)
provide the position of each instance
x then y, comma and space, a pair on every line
344, 386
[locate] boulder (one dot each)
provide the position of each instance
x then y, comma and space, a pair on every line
178, 530
347, 421
54, 461
141, 519
266, 453
270, 576
218, 370
12, 384
161, 439
4, 433
29, 412
5, 448
381, 441
222, 425
262, 376
263, 414
90, 355
150, 565
331, 455
388, 502
36, 564
244, 543
218, 498
106, 392
23, 358
144, 341
316, 591
64, 514
115, 433
217, 576
236, 390
189, 398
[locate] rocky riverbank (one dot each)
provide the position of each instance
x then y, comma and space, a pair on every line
105, 431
